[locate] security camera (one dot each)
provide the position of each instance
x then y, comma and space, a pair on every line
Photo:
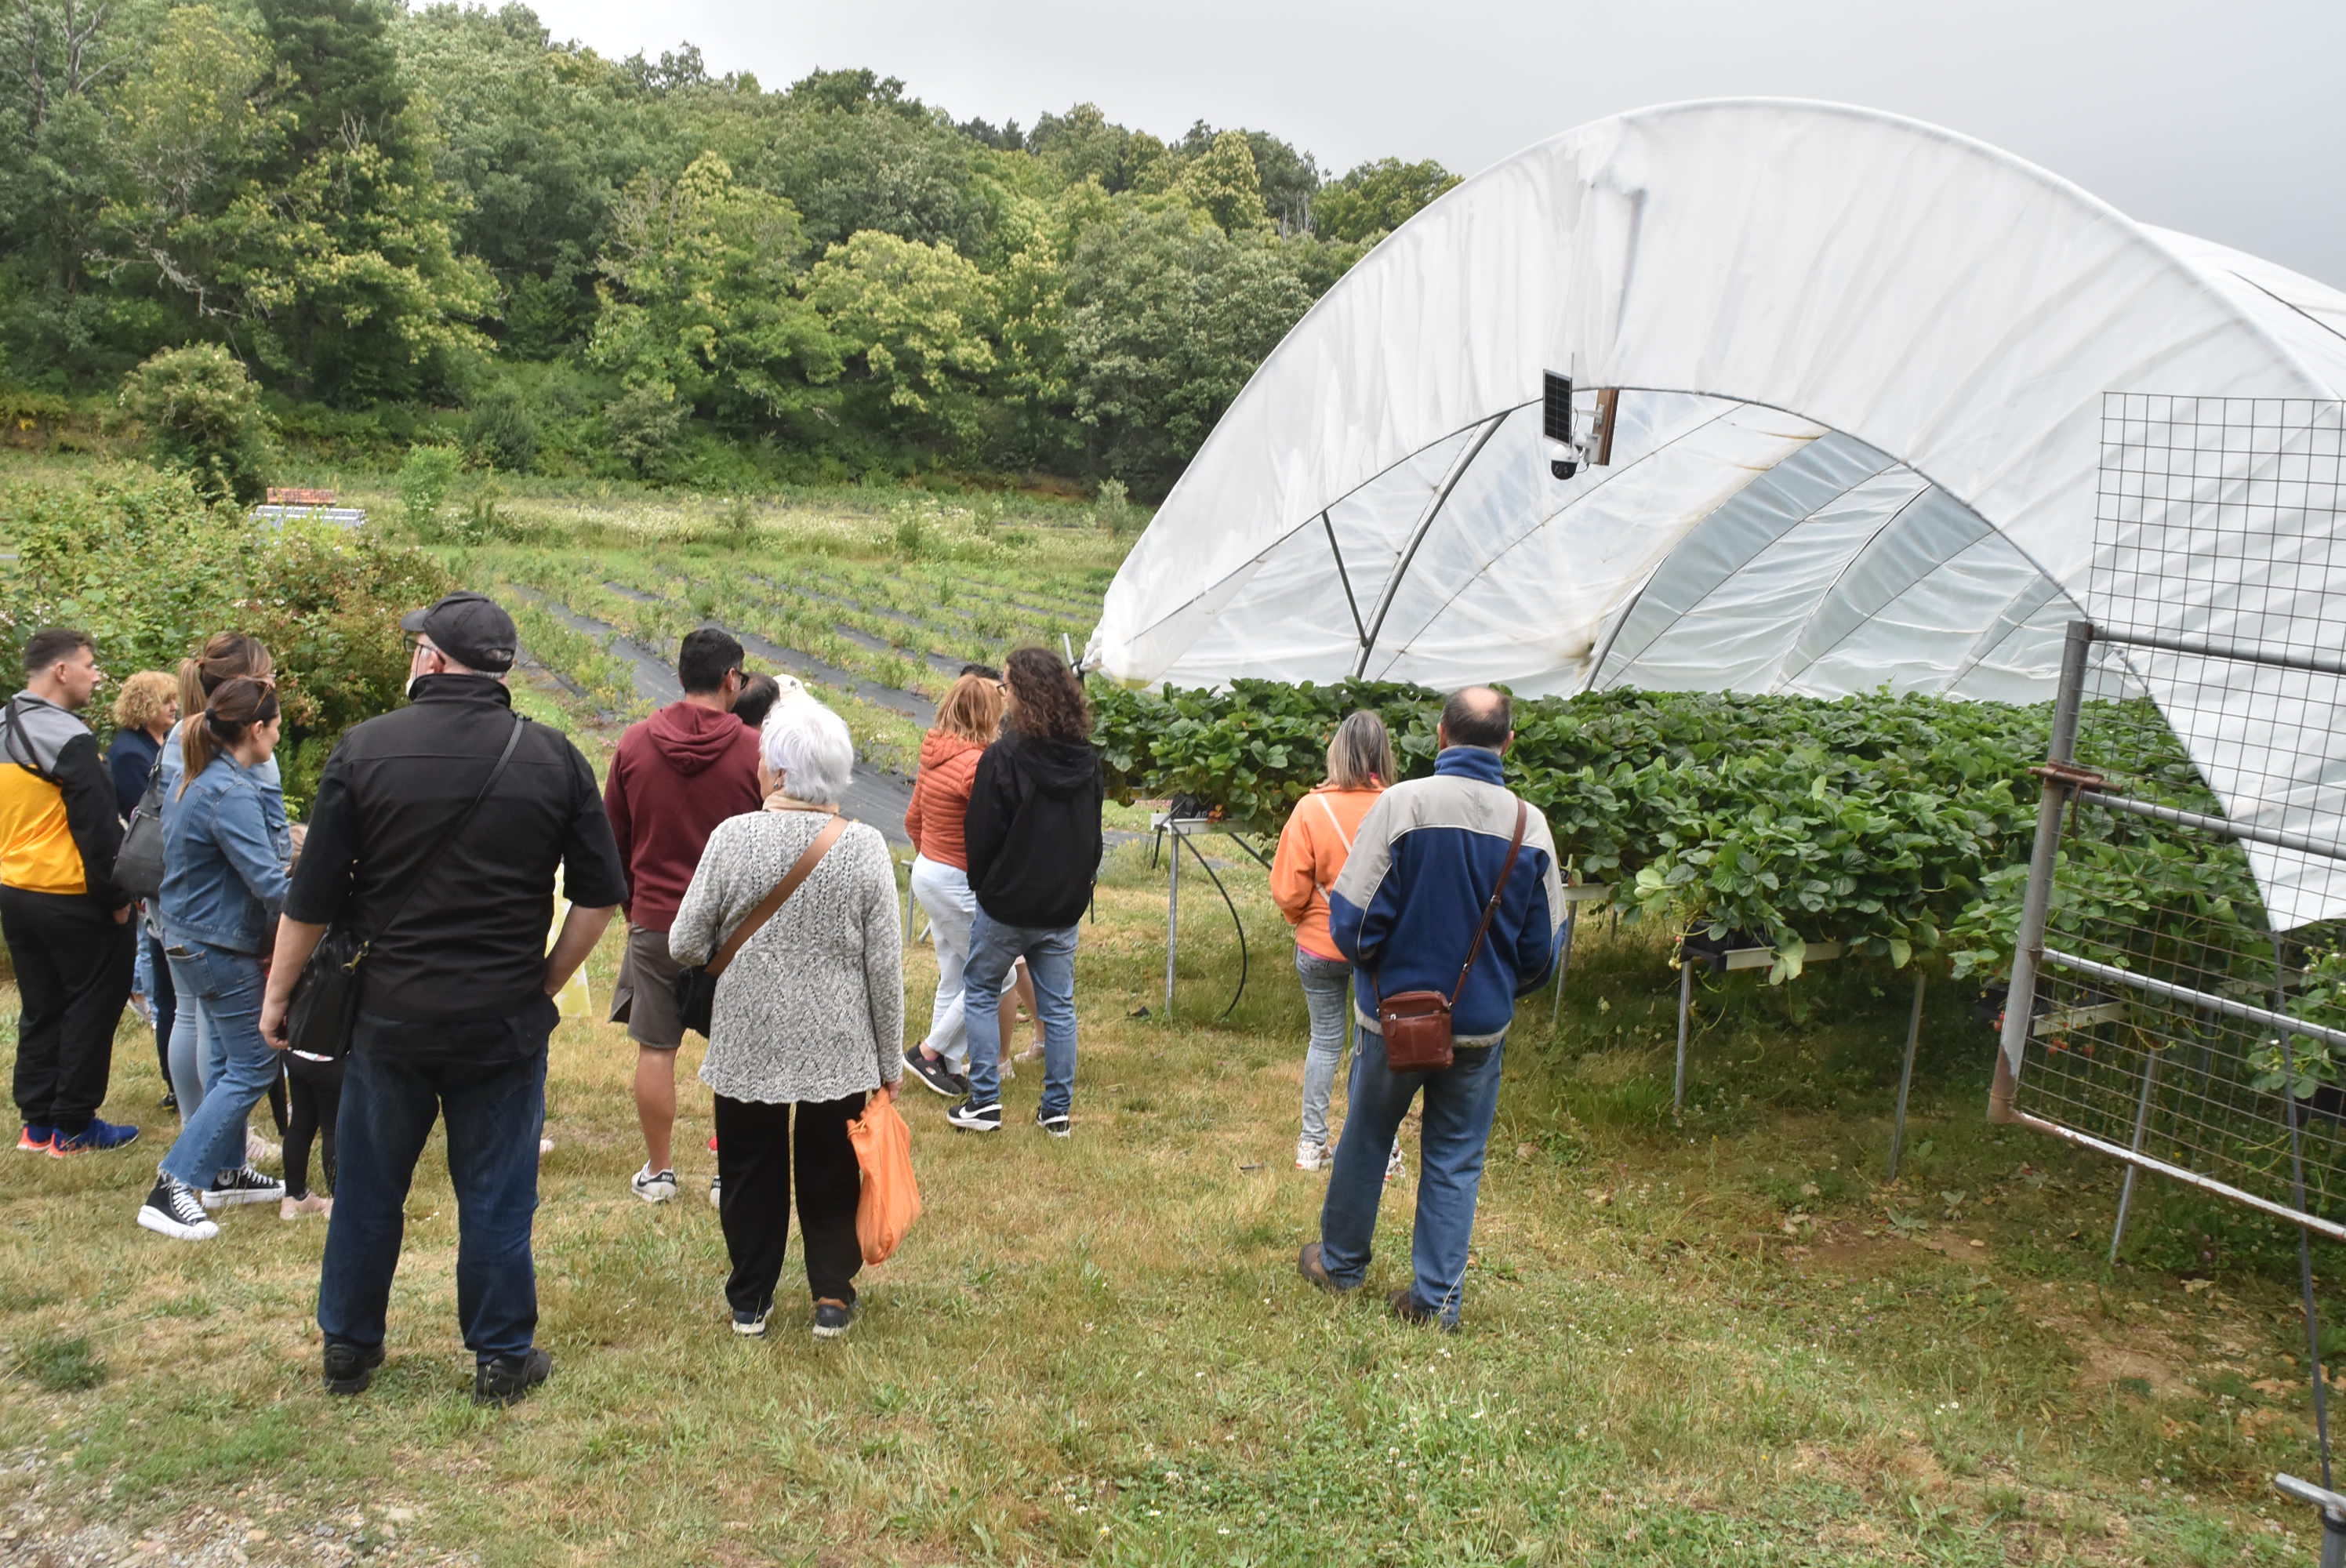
1555, 423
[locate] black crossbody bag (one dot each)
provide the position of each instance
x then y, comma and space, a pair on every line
325, 1004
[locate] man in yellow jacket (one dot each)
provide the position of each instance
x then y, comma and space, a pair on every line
66, 924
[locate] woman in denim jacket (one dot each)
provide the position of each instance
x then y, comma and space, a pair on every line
227, 852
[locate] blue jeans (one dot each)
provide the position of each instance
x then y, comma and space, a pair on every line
1050, 958
1328, 997
1459, 1106
194, 1062
222, 989
495, 1111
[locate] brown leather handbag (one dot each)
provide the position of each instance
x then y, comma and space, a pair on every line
1417, 1023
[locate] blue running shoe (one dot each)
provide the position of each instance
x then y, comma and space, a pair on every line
35, 1139
95, 1138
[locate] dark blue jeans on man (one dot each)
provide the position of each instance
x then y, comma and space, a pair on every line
487, 1080
1460, 1103
1050, 956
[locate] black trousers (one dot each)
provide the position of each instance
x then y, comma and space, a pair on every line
72, 978
317, 1102
755, 1160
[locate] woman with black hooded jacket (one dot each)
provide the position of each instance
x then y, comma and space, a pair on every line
1032, 834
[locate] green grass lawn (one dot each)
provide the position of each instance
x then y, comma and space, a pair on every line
1711, 1339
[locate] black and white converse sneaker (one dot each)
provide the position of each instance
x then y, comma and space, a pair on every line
972, 1117
1058, 1124
243, 1184
833, 1318
173, 1209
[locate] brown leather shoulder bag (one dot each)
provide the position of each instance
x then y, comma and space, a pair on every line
1417, 1023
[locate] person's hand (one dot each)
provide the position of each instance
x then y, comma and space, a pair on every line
274, 1022
888, 1091
122, 915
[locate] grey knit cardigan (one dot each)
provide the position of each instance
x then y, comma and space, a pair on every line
812, 1007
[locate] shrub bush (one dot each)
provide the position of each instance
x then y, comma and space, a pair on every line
202, 415
424, 482
148, 568
647, 428
503, 431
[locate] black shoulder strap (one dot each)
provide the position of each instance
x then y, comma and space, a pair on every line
20, 750
456, 831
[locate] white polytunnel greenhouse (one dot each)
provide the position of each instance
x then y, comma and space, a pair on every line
1859, 365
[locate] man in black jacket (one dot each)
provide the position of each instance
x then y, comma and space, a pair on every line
457, 998
1033, 831
66, 924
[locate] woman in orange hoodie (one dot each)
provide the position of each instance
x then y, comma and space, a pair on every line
967, 722
1311, 851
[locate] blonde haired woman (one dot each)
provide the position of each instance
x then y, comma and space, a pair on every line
968, 719
144, 711
1312, 849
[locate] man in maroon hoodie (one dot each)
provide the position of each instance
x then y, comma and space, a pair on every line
675, 777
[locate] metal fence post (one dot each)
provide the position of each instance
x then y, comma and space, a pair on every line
1172, 909
1906, 1078
2020, 999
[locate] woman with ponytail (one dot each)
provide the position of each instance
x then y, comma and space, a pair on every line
226, 857
224, 655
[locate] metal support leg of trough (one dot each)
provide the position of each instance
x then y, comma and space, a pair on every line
2333, 1516
1906, 1079
2141, 1125
1564, 962
1686, 1002
1172, 912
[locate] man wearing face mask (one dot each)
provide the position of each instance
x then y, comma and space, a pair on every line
456, 988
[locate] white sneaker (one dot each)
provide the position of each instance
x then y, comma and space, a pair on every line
1392, 1162
654, 1186
1311, 1157
258, 1148
715, 1200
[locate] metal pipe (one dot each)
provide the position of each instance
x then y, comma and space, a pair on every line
1906, 1078
1686, 1001
2218, 827
1172, 912
1474, 449
2141, 1125
2315, 1223
2168, 991
2199, 647
1563, 963
2020, 1000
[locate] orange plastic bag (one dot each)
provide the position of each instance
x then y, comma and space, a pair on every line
891, 1199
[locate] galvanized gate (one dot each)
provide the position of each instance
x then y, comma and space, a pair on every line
2171, 1004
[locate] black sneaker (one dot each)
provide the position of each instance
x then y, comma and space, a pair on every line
1058, 1124
507, 1380
173, 1209
972, 1117
933, 1071
833, 1319
243, 1184
751, 1325
351, 1368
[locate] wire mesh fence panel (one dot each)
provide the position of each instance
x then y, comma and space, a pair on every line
2189, 1007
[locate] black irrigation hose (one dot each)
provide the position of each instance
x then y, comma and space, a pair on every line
1178, 840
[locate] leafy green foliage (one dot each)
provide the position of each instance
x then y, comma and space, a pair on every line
203, 417
424, 482
143, 564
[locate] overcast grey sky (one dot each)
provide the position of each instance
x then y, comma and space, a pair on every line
2221, 117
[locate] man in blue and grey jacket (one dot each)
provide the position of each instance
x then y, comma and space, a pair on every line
1404, 911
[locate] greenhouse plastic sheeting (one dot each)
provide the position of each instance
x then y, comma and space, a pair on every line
1861, 364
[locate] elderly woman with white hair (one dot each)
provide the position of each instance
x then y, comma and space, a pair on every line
809, 1013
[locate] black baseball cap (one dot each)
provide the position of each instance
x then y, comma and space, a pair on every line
471, 629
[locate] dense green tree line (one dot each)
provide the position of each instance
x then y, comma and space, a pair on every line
637, 265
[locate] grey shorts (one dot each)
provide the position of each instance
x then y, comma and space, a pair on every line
645, 998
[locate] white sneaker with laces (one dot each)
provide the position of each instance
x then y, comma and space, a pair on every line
1392, 1162
716, 1193
1311, 1157
173, 1209
654, 1186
